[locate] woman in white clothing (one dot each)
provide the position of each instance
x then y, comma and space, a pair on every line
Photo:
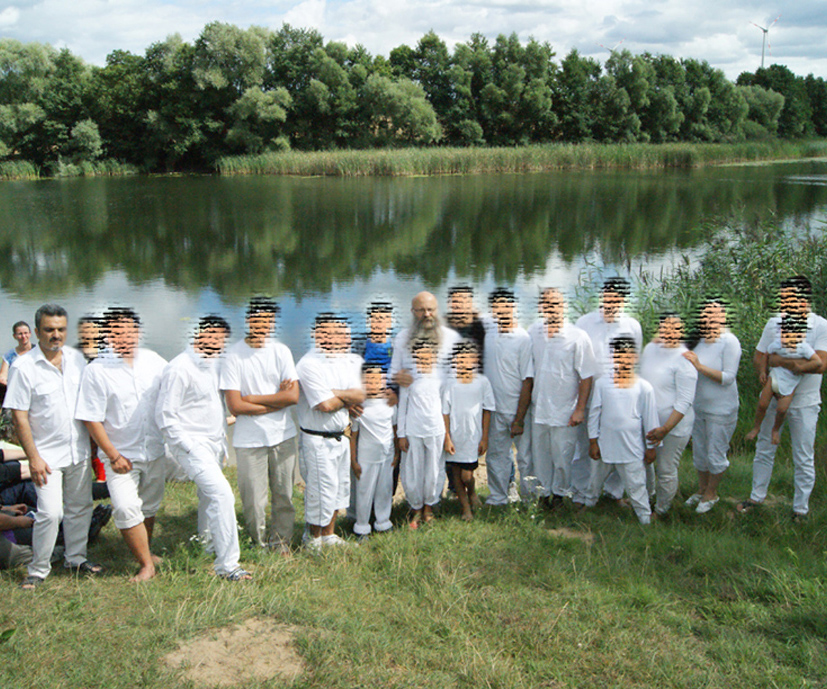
673, 379
716, 357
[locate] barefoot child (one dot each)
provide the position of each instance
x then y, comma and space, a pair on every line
781, 382
467, 403
421, 431
623, 411
372, 456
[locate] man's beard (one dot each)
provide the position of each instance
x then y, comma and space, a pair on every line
422, 331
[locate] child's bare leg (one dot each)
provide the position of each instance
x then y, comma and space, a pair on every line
780, 414
461, 491
427, 513
470, 487
764, 400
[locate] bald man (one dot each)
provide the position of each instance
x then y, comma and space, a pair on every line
426, 325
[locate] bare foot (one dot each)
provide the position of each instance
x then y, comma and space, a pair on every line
144, 574
776, 437
156, 559
753, 434
475, 500
467, 515
413, 522
427, 514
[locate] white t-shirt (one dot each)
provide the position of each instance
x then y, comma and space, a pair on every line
620, 418
402, 357
49, 395
602, 333
808, 392
189, 405
123, 399
320, 373
674, 379
560, 363
465, 403
724, 355
375, 428
259, 371
508, 362
420, 407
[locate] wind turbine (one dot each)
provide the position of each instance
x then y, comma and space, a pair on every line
764, 42
612, 50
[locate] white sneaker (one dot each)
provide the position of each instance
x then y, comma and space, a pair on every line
333, 540
705, 505
513, 493
693, 500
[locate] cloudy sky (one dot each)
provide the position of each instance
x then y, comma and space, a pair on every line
716, 30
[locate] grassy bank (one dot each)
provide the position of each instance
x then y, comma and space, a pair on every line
24, 170
449, 161
17, 170
516, 599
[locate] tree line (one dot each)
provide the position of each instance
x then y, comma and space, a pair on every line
234, 91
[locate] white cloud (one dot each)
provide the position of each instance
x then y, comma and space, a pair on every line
9, 17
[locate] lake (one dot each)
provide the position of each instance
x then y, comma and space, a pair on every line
175, 248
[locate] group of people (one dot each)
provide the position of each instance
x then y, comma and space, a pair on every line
583, 408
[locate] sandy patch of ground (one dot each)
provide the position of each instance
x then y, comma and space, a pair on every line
254, 650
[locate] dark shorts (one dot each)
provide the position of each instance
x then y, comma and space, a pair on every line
468, 466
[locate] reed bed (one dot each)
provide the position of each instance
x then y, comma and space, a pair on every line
462, 161
17, 169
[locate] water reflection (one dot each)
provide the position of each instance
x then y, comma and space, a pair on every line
301, 238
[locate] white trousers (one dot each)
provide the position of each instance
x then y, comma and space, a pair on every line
325, 467
499, 459
662, 475
216, 502
710, 441
67, 497
258, 469
423, 471
552, 452
137, 494
802, 423
375, 488
633, 476
581, 470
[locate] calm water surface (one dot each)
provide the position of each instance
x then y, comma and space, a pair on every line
177, 247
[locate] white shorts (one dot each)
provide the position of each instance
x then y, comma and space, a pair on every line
137, 494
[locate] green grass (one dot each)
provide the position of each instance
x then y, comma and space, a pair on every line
712, 601
449, 161
17, 169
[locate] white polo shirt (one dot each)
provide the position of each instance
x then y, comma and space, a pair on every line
319, 374
49, 395
123, 399
508, 363
602, 333
560, 363
808, 392
189, 406
259, 371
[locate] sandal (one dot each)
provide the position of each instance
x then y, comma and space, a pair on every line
746, 506
238, 574
90, 569
31, 582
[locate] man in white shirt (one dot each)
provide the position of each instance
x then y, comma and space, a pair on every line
509, 368
426, 325
794, 297
259, 381
42, 390
330, 383
117, 399
190, 414
602, 326
564, 366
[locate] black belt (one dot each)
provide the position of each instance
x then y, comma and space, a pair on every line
337, 435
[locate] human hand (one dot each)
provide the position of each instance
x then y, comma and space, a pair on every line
516, 428
39, 471
120, 465
357, 469
692, 358
448, 445
577, 417
482, 448
404, 446
650, 455
657, 434
403, 378
594, 449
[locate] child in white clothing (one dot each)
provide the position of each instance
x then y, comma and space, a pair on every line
421, 432
467, 403
623, 411
781, 382
372, 454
